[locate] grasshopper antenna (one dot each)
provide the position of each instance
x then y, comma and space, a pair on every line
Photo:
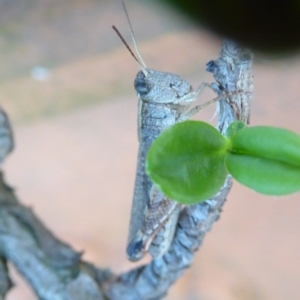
128, 48
133, 37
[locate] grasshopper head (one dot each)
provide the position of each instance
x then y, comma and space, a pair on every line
160, 87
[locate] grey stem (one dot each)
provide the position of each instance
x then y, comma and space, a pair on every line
5, 282
56, 272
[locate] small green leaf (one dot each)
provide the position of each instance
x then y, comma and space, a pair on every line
269, 142
187, 161
234, 128
264, 175
266, 159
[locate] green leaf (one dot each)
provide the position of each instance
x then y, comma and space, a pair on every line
266, 159
269, 142
263, 175
187, 161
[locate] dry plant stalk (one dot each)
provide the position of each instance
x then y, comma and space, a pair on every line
56, 272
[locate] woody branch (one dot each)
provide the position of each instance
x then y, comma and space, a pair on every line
56, 272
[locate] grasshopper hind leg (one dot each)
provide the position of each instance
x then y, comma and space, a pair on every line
135, 250
163, 239
158, 243
157, 231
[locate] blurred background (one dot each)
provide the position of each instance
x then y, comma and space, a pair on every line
66, 81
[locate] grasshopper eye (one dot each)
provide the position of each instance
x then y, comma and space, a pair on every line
142, 86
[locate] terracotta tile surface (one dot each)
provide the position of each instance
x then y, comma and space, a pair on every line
77, 143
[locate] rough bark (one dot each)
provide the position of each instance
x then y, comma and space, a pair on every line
5, 282
56, 272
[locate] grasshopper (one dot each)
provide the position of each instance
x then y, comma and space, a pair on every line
164, 99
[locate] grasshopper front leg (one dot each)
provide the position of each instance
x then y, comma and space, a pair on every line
191, 97
194, 95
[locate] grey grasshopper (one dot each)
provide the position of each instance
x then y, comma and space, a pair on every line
163, 100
